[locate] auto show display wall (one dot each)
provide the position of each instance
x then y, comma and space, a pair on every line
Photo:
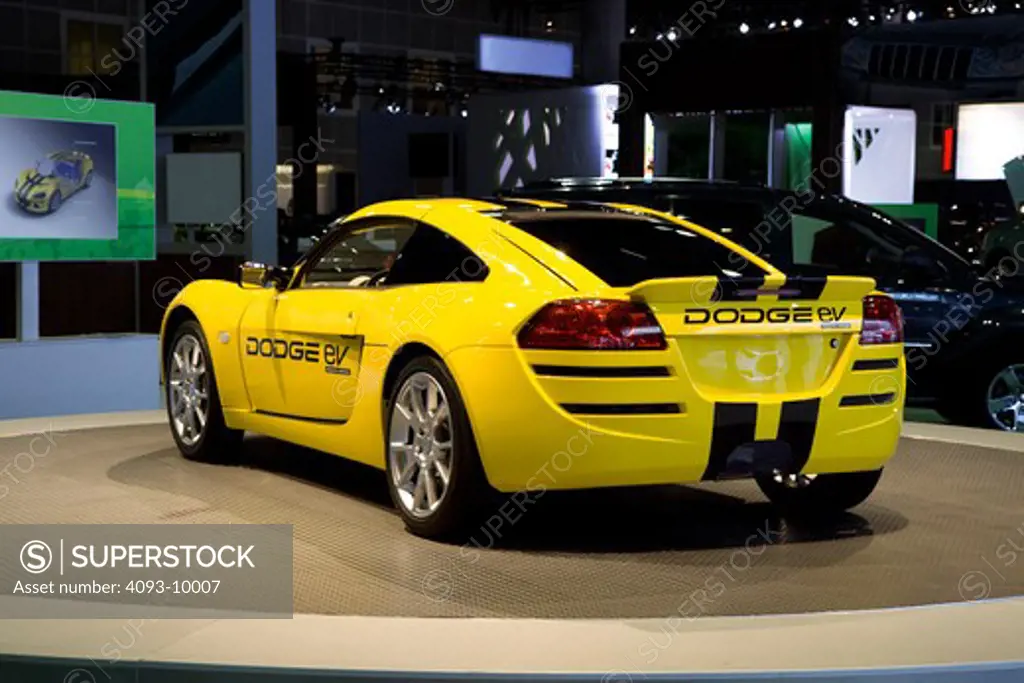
77, 376
82, 375
518, 137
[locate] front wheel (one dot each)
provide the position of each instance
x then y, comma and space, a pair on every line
991, 396
819, 495
55, 202
193, 404
433, 470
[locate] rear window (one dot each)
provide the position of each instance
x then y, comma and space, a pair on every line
625, 251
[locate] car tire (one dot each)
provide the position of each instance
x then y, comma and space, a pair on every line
824, 494
55, 202
967, 402
191, 385
439, 492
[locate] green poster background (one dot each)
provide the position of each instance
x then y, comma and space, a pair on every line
136, 178
923, 216
798, 154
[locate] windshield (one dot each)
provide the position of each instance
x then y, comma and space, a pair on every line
47, 167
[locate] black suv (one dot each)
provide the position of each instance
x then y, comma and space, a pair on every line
964, 327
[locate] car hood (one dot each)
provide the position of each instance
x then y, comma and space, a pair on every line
32, 181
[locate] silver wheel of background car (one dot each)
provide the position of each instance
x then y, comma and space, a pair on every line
420, 444
188, 390
1006, 399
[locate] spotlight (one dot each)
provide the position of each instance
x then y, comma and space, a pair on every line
798, 22
852, 21
911, 16
660, 36
744, 28
632, 30
783, 23
771, 26
673, 34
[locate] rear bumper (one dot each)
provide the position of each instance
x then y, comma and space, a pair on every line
539, 431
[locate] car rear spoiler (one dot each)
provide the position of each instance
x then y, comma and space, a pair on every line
711, 289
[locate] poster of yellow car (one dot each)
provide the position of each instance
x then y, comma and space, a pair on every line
59, 179
55, 178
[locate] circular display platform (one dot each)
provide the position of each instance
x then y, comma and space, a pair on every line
938, 529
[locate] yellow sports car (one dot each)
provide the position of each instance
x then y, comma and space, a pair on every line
472, 348
61, 174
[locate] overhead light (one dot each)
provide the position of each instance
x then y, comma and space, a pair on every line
871, 18
783, 23
673, 34
771, 26
744, 28
911, 16
632, 30
798, 22
660, 36
852, 21
992, 8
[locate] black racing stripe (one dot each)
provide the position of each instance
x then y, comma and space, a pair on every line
803, 288
30, 184
797, 425
541, 264
593, 371
867, 400
734, 426
876, 364
622, 408
739, 289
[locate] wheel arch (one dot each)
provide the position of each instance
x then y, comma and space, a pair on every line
177, 316
402, 356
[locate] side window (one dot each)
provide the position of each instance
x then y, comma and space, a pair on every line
842, 244
431, 255
738, 221
361, 256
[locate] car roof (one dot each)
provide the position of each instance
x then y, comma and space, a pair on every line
556, 187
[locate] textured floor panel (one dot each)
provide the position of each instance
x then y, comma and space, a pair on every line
943, 512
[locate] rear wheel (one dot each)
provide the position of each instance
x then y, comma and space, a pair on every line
815, 495
434, 473
193, 404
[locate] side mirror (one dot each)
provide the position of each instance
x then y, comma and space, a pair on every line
260, 276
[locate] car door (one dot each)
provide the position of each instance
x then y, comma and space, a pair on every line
913, 270
302, 347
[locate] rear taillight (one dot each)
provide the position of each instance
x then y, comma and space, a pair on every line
883, 322
593, 324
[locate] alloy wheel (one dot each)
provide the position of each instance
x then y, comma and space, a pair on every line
420, 444
1006, 399
188, 390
